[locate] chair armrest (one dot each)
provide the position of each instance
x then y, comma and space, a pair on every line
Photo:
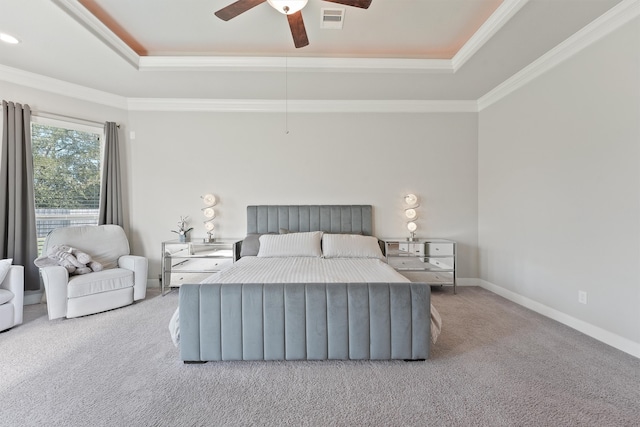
139, 265
55, 279
14, 282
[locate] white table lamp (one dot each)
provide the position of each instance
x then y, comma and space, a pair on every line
209, 214
411, 200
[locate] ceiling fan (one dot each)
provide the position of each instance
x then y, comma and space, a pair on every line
291, 8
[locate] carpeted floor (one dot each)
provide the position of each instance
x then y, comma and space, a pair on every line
495, 364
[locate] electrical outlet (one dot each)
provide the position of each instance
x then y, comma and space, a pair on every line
582, 297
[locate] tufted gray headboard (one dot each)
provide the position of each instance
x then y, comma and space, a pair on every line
329, 218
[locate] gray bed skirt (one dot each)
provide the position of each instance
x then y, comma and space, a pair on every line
318, 321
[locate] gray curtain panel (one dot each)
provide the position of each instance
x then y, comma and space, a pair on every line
17, 201
111, 211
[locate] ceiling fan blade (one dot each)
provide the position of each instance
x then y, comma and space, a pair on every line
362, 4
298, 31
235, 9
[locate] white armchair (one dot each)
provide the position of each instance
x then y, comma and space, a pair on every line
122, 281
12, 298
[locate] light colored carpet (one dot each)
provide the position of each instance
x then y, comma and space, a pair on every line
495, 364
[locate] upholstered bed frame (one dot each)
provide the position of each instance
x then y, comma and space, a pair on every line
305, 321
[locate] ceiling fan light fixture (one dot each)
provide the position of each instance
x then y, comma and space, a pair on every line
288, 7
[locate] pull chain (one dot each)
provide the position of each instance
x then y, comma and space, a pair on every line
286, 94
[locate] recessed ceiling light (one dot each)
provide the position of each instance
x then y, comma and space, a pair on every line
8, 38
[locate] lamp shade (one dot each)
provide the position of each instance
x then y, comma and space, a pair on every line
287, 7
209, 213
209, 199
411, 199
411, 226
208, 226
411, 213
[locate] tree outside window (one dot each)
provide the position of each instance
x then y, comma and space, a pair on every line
66, 163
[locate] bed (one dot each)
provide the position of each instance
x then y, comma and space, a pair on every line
309, 283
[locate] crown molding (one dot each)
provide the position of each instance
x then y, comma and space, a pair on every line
60, 87
48, 84
496, 21
610, 21
298, 106
278, 63
94, 25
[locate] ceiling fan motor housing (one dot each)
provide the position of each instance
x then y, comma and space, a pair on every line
288, 7
291, 8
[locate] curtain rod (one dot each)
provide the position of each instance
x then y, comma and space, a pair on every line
49, 115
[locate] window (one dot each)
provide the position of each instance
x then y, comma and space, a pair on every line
66, 174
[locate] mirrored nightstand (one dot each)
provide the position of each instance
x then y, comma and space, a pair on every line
432, 261
194, 261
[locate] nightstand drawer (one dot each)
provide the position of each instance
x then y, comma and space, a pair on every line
412, 248
429, 277
434, 249
178, 278
407, 262
445, 263
206, 265
176, 249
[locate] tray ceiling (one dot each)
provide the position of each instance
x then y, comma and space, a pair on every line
409, 50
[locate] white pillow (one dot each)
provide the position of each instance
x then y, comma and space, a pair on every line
305, 244
5, 265
350, 246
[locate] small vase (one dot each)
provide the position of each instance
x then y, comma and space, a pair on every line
182, 237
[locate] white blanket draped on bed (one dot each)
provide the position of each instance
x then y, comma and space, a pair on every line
253, 269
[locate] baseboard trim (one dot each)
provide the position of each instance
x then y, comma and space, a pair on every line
609, 338
464, 281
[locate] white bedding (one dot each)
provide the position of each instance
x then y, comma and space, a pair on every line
307, 270
253, 269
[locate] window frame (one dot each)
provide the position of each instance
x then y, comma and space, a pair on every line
77, 126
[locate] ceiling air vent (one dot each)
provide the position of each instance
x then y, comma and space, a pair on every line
332, 18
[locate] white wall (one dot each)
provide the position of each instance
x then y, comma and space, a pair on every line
559, 188
247, 158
